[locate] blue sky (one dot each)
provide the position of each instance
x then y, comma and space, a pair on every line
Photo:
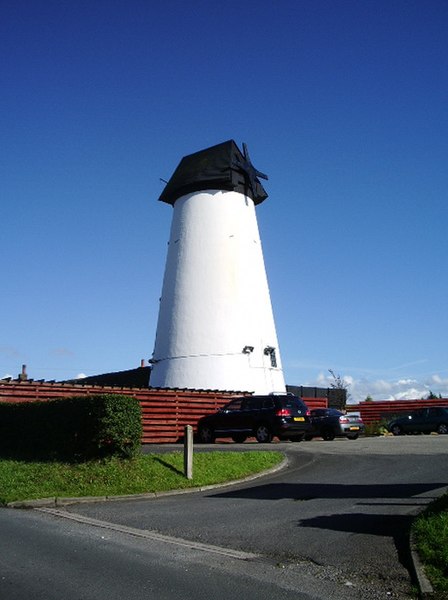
342, 103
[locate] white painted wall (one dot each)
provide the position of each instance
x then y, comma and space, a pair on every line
215, 300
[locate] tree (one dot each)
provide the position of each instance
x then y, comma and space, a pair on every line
340, 388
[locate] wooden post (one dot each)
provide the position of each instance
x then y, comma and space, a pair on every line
188, 452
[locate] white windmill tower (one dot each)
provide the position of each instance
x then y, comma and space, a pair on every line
216, 328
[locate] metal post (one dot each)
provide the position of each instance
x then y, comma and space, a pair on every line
188, 452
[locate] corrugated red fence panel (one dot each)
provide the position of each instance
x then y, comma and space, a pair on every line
383, 410
315, 402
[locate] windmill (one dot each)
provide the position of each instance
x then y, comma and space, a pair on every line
216, 327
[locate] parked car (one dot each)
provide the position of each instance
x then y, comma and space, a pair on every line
329, 423
263, 417
423, 420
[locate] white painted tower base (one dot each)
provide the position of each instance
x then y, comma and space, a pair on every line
216, 327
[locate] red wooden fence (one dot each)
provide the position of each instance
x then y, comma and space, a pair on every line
315, 402
165, 413
379, 410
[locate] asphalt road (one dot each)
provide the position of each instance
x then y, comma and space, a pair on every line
333, 525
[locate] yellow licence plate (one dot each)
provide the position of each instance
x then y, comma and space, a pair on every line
299, 418
354, 428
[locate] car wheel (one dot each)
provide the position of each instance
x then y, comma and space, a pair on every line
442, 428
396, 430
328, 435
263, 434
239, 438
353, 437
206, 435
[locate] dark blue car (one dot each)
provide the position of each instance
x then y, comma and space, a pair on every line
423, 420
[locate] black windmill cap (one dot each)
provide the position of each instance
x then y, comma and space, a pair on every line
221, 167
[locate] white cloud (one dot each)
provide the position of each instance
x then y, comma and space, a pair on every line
381, 386
80, 376
399, 389
410, 393
437, 380
382, 389
322, 380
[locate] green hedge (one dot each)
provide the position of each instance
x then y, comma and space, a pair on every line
76, 428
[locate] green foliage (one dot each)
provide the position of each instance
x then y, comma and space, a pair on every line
371, 428
376, 428
431, 535
76, 428
119, 429
21, 480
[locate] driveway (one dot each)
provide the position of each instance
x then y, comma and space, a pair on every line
333, 525
340, 513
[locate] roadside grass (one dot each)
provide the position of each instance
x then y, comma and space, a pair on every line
431, 536
24, 480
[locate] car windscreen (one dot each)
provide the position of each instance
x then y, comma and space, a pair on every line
294, 405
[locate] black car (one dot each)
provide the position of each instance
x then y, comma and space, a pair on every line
423, 420
329, 423
262, 417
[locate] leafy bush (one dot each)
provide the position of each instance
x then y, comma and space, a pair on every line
376, 428
120, 426
76, 428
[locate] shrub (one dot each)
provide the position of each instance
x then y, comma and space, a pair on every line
76, 428
120, 426
376, 428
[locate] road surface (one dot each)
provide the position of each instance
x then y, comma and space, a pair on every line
334, 524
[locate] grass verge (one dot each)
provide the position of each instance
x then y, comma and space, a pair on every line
20, 480
431, 536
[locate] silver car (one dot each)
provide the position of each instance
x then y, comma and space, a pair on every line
329, 423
